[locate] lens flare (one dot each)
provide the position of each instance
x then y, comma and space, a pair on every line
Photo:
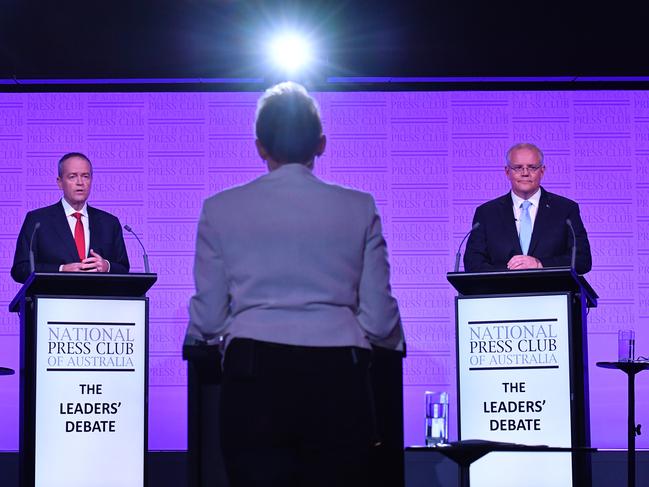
291, 52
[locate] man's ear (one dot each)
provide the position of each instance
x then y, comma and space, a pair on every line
322, 144
261, 150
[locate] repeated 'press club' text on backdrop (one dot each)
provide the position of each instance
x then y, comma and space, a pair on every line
429, 158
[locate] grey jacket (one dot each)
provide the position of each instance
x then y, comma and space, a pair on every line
290, 259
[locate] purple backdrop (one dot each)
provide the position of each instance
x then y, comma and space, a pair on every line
428, 158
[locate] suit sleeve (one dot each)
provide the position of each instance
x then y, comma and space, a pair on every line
209, 306
378, 312
20, 269
119, 263
476, 255
583, 260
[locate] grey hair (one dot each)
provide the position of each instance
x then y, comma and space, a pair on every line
524, 145
70, 155
288, 123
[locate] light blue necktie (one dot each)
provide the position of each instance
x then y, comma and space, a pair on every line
525, 234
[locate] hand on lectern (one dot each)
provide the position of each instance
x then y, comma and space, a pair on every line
72, 267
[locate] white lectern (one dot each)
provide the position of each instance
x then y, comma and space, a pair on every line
523, 373
83, 379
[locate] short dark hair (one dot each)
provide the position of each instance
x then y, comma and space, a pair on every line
70, 155
287, 123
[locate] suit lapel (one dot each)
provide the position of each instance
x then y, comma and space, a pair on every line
507, 217
541, 221
94, 228
62, 229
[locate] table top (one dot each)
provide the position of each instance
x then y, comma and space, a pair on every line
6, 371
628, 367
468, 451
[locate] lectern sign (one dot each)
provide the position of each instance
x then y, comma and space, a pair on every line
514, 385
90, 382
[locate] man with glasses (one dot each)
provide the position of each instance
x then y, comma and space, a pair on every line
529, 227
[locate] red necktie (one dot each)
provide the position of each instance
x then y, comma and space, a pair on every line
79, 238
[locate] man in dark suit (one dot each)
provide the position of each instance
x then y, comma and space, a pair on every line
529, 227
71, 236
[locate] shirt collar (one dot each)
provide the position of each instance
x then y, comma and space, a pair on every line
69, 210
534, 199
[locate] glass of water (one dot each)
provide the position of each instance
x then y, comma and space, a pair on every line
625, 345
436, 418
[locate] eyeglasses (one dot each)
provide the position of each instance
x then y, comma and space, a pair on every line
520, 169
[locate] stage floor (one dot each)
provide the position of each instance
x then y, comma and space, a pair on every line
167, 469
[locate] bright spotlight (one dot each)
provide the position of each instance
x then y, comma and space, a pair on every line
291, 52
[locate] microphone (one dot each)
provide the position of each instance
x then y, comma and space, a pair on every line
573, 257
144, 256
457, 256
32, 266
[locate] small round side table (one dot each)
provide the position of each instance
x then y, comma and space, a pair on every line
630, 369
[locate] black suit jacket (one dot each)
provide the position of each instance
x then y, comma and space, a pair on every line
495, 241
54, 244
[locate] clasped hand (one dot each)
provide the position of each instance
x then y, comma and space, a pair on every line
524, 262
94, 263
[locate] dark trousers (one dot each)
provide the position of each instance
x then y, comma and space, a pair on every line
296, 416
